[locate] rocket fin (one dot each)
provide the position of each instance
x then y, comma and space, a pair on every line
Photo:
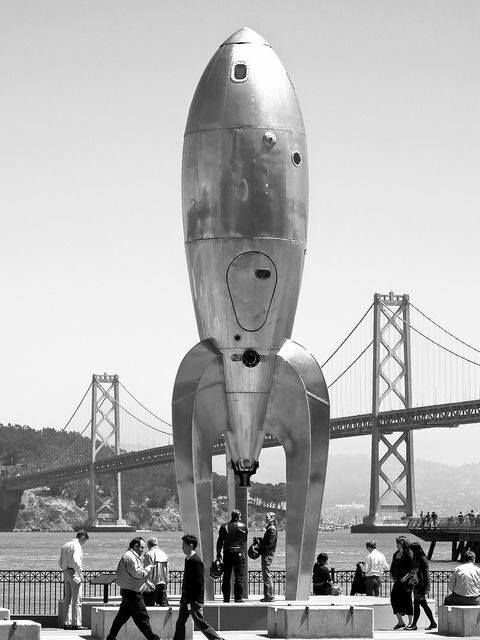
298, 415
199, 417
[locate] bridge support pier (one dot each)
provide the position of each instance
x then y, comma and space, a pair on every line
392, 488
105, 503
9, 504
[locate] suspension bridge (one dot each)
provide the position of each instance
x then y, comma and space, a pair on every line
397, 370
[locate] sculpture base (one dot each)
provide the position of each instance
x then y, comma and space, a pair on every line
162, 619
253, 615
313, 621
458, 621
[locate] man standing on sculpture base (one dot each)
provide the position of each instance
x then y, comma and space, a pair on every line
232, 538
268, 547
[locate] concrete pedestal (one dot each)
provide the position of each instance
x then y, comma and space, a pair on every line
247, 616
87, 604
460, 621
252, 614
162, 619
320, 622
19, 630
383, 618
4, 614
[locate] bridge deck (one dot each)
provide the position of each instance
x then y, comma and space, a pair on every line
428, 417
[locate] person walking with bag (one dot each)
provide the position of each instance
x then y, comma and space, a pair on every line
401, 594
421, 586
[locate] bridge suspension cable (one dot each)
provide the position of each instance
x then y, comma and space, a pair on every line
452, 335
441, 346
351, 364
347, 337
166, 433
144, 407
78, 407
68, 450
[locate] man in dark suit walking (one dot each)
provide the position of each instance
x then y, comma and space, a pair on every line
193, 587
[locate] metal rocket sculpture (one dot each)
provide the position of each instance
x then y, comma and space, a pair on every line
245, 205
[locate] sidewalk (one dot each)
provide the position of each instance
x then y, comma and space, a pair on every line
421, 634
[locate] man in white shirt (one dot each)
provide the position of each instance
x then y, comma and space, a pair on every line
375, 565
71, 564
465, 583
158, 576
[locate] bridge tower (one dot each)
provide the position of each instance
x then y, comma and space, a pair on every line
105, 508
392, 483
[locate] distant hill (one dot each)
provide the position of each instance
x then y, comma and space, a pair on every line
447, 489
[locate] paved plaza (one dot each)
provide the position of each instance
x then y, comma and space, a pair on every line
421, 634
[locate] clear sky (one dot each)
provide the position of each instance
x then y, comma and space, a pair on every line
94, 97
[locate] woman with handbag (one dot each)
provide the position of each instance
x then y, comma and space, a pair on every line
401, 594
322, 579
421, 586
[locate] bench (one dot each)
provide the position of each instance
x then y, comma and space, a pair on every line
230, 616
162, 619
19, 630
457, 620
383, 616
339, 621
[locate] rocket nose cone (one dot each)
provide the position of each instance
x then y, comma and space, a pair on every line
245, 35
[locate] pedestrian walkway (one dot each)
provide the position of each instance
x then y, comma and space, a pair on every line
421, 634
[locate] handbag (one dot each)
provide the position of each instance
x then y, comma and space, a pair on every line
254, 550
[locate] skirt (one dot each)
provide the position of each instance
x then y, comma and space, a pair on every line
401, 599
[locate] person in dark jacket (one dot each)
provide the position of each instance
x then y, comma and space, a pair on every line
322, 579
359, 584
420, 577
193, 589
232, 538
267, 550
401, 594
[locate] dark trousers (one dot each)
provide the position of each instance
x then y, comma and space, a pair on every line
372, 584
198, 621
132, 606
416, 610
157, 597
464, 601
267, 577
233, 560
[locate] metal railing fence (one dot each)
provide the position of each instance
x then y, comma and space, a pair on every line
36, 593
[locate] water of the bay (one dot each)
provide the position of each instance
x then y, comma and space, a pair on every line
41, 550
